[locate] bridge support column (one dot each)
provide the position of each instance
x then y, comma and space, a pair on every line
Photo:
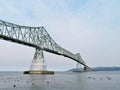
86, 68
38, 65
38, 62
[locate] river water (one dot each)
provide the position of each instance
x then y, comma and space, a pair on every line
102, 80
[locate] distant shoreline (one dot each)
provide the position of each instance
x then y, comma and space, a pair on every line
97, 69
106, 69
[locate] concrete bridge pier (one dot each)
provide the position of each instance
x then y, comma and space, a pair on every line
38, 65
86, 68
38, 62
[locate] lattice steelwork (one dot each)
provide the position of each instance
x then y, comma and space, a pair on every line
36, 37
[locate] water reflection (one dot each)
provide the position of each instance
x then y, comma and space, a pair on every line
25, 82
60, 81
37, 81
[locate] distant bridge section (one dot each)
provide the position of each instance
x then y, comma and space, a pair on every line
36, 37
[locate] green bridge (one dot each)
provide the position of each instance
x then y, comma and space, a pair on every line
38, 38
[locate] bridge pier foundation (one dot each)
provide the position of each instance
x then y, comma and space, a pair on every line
86, 68
38, 65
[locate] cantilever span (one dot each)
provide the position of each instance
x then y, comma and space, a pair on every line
36, 37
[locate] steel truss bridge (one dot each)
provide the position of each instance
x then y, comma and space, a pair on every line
38, 38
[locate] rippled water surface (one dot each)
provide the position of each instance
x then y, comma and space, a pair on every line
109, 80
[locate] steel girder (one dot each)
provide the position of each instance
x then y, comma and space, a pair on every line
36, 37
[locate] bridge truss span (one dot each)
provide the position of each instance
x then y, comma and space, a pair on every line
36, 37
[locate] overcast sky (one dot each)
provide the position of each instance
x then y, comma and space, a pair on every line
89, 27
